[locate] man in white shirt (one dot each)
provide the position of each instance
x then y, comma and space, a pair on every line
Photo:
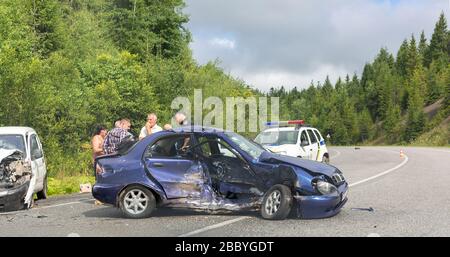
150, 127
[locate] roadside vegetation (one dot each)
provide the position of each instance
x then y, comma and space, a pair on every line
68, 65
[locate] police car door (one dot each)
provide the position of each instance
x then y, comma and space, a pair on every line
305, 145
314, 150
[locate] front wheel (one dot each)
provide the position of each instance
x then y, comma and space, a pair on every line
137, 202
326, 159
277, 203
43, 193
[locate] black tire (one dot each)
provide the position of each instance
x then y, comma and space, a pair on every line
326, 159
285, 203
139, 192
43, 193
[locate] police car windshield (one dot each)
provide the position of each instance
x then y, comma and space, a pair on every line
246, 145
277, 137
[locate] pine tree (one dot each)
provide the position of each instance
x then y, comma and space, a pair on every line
365, 126
339, 85
402, 59
416, 117
422, 48
439, 42
327, 88
413, 57
367, 75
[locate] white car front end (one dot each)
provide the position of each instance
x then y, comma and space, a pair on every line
23, 140
300, 141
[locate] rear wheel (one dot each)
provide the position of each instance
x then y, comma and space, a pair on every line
277, 203
43, 193
137, 202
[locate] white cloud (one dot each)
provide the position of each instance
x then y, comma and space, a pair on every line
292, 42
222, 42
265, 80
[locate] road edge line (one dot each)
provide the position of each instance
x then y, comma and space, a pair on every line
381, 174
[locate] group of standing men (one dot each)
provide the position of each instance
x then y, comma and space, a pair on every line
105, 142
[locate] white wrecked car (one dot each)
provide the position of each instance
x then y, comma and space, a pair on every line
22, 168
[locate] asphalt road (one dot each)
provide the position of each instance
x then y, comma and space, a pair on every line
389, 196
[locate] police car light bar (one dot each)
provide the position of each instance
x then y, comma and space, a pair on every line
284, 123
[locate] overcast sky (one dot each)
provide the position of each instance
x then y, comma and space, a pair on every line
291, 42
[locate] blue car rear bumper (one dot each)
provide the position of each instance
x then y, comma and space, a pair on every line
106, 193
321, 206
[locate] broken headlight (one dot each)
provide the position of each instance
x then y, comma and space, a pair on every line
326, 188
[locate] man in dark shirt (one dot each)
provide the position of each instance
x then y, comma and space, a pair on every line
116, 136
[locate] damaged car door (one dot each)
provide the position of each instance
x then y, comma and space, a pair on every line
230, 173
171, 163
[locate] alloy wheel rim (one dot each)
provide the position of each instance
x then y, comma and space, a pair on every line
135, 201
273, 202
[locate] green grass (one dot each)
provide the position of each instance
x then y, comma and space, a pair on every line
439, 136
68, 185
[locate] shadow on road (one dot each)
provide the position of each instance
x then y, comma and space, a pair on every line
112, 212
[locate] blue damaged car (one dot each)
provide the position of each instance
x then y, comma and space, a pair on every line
213, 170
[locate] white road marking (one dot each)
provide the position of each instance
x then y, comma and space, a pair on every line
83, 200
382, 173
62, 204
218, 225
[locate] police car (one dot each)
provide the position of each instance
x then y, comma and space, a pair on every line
294, 138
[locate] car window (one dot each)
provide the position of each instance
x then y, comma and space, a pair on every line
213, 146
312, 137
169, 147
205, 146
251, 148
319, 137
304, 137
11, 142
36, 152
279, 137
223, 147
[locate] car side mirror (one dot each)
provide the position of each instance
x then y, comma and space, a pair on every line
304, 143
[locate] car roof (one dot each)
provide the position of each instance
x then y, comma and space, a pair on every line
286, 129
196, 128
16, 130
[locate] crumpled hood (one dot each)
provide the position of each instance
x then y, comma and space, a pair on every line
313, 166
7, 152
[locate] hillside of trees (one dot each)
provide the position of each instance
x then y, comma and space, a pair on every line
386, 103
68, 65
